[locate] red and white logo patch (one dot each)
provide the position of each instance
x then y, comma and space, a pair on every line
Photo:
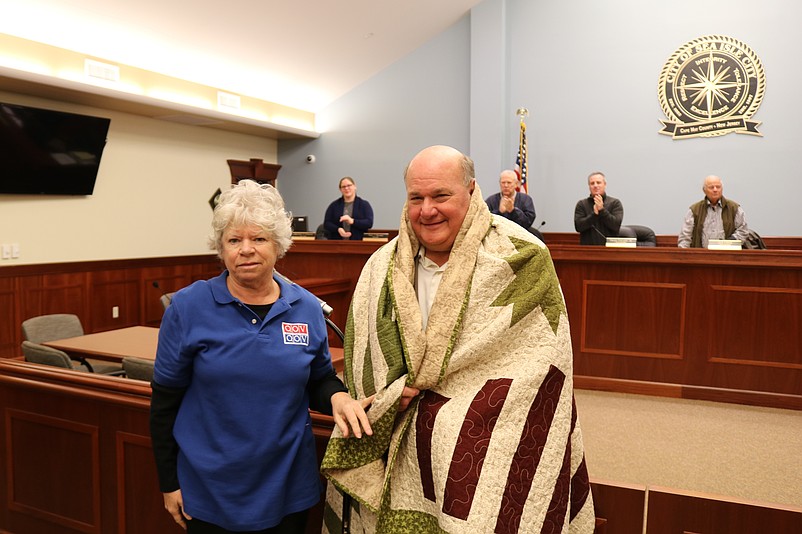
295, 333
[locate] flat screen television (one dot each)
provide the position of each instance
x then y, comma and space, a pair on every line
46, 152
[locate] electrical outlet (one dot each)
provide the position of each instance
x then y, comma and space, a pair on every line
15, 250
115, 312
6, 251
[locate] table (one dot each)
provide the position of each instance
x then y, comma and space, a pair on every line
112, 345
138, 341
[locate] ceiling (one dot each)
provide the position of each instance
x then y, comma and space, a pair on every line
299, 53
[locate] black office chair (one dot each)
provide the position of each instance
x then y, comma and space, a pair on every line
534, 231
41, 354
320, 233
60, 326
644, 236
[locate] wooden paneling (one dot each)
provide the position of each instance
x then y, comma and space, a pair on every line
157, 281
773, 341
91, 290
673, 512
52, 293
76, 455
76, 458
619, 507
11, 323
60, 451
723, 321
136, 472
112, 289
332, 259
642, 319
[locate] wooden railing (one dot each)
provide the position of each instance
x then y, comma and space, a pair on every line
76, 458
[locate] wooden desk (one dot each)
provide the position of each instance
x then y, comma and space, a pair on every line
690, 323
113, 345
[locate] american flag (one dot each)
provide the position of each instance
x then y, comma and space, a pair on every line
520, 161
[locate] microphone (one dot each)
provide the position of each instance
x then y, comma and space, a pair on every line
157, 286
600, 233
541, 225
323, 306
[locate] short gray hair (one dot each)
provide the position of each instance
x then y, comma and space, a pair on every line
468, 170
250, 203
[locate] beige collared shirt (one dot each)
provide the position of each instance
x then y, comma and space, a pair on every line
427, 280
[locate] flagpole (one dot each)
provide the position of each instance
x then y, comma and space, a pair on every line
521, 163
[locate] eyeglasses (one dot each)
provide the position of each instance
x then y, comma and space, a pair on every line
346, 186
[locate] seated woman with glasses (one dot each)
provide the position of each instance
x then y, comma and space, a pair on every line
350, 216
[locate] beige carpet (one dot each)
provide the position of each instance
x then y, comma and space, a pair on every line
731, 450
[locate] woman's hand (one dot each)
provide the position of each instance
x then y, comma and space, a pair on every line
343, 233
347, 218
349, 414
174, 503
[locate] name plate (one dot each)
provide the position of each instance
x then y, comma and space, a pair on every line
724, 244
303, 236
621, 242
376, 236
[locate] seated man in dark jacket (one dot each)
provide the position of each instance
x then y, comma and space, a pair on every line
511, 203
598, 216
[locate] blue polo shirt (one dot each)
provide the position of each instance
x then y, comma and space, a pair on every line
247, 454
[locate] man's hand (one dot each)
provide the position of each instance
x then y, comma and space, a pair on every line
349, 414
598, 204
174, 503
506, 205
406, 397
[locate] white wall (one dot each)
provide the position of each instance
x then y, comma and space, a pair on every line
150, 199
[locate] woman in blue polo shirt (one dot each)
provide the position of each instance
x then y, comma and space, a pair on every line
241, 359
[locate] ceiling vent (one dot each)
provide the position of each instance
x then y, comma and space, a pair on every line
191, 120
101, 71
227, 101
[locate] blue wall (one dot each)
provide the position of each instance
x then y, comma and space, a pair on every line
588, 72
372, 132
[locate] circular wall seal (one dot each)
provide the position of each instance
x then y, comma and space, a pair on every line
711, 86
